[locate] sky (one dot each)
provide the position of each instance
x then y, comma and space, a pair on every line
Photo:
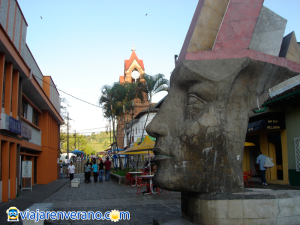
82, 44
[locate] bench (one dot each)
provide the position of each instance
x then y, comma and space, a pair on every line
75, 182
42, 207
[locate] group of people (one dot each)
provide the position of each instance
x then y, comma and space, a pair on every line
98, 170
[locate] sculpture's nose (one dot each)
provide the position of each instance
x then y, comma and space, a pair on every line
156, 129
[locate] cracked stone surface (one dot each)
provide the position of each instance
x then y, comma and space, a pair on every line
201, 126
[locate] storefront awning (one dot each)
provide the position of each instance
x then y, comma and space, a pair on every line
247, 144
147, 144
272, 123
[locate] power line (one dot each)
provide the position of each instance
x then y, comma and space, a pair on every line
67, 93
93, 128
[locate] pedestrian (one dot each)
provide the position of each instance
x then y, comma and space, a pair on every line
87, 172
101, 171
61, 172
71, 170
90, 172
261, 159
107, 164
95, 172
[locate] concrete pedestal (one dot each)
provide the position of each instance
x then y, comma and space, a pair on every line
254, 206
75, 182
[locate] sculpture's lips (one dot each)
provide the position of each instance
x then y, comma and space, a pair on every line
160, 155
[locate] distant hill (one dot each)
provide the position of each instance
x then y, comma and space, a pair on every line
90, 144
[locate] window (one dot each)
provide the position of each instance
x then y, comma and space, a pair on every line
35, 118
135, 130
24, 109
297, 153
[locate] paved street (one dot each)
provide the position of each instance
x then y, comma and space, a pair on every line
104, 197
107, 196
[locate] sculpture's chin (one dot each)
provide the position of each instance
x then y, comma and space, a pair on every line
164, 177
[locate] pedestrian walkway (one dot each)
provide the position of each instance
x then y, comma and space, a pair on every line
108, 196
27, 198
104, 197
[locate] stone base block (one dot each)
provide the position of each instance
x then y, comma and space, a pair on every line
255, 206
75, 182
178, 221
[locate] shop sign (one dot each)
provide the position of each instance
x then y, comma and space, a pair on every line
10, 124
14, 125
26, 130
268, 123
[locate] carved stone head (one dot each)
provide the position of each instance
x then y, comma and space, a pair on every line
202, 124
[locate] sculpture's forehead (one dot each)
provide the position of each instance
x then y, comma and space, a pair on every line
209, 70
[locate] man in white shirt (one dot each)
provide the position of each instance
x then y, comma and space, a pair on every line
261, 159
71, 170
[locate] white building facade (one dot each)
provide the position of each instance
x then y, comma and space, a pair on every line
134, 129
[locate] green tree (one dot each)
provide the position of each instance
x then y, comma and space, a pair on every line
153, 85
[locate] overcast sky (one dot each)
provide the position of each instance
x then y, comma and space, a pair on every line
82, 44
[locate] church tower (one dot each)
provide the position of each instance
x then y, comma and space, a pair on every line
134, 71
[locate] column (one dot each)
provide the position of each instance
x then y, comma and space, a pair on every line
13, 169
8, 85
15, 94
5, 170
2, 64
284, 157
32, 172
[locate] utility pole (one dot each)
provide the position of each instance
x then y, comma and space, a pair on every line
123, 127
109, 132
75, 138
131, 124
68, 136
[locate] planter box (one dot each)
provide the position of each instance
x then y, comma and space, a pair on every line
118, 179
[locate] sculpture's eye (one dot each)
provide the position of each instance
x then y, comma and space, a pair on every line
194, 99
195, 107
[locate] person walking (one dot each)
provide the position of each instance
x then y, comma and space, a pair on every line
71, 170
101, 170
261, 159
107, 164
95, 172
87, 172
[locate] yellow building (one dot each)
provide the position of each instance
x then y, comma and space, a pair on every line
274, 129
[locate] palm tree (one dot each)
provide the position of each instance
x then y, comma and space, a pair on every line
153, 85
116, 101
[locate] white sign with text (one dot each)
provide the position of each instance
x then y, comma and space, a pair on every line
26, 169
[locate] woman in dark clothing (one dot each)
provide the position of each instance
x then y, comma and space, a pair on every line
101, 170
86, 172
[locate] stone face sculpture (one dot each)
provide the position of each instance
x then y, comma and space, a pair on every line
201, 126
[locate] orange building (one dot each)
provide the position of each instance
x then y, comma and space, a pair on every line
30, 118
134, 70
